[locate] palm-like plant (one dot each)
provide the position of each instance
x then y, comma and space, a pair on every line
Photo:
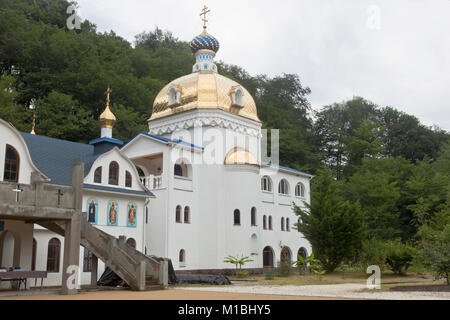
302, 263
237, 262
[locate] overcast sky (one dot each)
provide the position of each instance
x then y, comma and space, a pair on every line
394, 53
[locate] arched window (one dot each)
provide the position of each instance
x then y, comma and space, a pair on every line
283, 187
282, 224
265, 223
285, 255
303, 253
300, 190
131, 242
237, 217
270, 223
268, 257
288, 225
53, 255
114, 173
181, 170
174, 96
253, 217
12, 165
237, 95
187, 213
178, 214
87, 260
33, 256
128, 180
266, 184
178, 170
182, 257
98, 175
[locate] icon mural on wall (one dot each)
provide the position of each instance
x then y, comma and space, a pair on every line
132, 210
92, 210
113, 210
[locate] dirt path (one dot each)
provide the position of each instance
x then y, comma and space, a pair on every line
170, 294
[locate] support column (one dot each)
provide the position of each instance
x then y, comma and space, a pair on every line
72, 234
94, 272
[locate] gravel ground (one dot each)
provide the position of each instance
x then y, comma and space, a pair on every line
349, 290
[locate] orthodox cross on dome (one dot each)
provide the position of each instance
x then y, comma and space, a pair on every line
205, 11
34, 124
108, 91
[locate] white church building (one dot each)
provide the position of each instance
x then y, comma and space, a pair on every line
195, 189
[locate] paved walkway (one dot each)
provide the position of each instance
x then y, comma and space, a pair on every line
349, 291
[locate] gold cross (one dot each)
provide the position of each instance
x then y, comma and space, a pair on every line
108, 91
205, 10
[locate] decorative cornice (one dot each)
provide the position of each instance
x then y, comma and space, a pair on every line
205, 118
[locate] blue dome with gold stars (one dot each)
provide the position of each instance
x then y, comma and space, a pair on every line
205, 41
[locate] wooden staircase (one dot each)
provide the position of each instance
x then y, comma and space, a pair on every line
139, 271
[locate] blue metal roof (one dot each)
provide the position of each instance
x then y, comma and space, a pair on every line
165, 140
105, 139
55, 157
287, 169
120, 190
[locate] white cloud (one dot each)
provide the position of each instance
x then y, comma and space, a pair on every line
404, 64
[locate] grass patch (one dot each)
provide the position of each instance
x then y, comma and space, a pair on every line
334, 278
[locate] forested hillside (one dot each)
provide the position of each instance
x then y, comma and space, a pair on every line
395, 167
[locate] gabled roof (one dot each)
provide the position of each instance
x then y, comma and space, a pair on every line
164, 140
55, 157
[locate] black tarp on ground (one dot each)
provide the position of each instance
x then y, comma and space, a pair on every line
110, 279
202, 279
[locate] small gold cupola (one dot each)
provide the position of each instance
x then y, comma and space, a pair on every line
107, 118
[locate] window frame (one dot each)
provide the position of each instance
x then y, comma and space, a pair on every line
178, 214
110, 176
237, 217
98, 175
55, 260
11, 163
128, 179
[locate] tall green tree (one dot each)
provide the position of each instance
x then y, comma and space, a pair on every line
335, 228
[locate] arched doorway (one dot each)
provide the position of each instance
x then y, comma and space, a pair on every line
10, 247
303, 253
268, 257
285, 255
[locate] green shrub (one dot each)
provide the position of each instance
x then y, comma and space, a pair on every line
434, 252
269, 274
373, 252
284, 268
399, 256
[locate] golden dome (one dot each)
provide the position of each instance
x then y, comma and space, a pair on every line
240, 156
107, 118
204, 90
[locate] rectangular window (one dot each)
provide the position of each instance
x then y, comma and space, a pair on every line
87, 261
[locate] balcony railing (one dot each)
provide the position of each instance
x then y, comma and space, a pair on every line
153, 182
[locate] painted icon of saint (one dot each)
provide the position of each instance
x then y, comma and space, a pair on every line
113, 213
91, 213
132, 215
